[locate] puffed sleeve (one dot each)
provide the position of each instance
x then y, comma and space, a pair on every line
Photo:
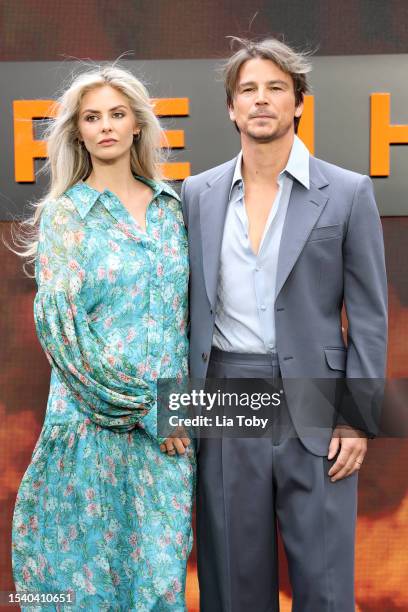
104, 384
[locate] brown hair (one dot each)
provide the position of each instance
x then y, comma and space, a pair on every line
295, 64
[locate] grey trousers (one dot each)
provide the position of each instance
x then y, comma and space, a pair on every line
248, 486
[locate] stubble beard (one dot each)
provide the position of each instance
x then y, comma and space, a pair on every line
267, 137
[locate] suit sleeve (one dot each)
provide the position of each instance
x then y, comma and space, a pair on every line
365, 299
365, 287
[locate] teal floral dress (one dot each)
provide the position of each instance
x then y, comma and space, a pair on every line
101, 512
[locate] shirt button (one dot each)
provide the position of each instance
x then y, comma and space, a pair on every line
263, 307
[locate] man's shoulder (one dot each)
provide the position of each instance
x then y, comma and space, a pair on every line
197, 181
333, 174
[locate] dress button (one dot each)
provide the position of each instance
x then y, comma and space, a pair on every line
205, 357
263, 307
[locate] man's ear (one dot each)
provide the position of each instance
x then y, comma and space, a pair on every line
231, 112
299, 109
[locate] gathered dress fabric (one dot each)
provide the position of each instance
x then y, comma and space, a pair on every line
101, 512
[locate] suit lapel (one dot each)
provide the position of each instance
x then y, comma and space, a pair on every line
213, 207
304, 209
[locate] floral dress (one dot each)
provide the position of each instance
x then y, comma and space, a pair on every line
101, 512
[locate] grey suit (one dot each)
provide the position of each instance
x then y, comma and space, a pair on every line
331, 254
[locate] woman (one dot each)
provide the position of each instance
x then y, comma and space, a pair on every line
102, 512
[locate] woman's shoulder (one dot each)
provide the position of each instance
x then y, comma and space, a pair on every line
64, 209
61, 223
62, 204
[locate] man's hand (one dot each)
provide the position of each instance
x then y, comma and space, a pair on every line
171, 446
353, 447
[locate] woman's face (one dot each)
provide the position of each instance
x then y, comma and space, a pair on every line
106, 124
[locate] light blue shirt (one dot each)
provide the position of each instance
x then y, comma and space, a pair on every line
245, 318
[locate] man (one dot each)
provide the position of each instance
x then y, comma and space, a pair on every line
279, 242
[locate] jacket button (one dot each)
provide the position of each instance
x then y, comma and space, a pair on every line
205, 356
211, 311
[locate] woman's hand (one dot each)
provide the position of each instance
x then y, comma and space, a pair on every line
171, 446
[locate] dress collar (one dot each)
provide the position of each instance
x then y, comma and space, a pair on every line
84, 196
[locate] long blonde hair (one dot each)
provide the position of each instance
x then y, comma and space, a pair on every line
69, 162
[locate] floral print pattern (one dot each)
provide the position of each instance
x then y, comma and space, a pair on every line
101, 512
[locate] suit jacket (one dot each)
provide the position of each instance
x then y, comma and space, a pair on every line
331, 253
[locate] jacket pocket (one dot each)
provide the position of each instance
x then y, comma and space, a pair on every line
336, 358
325, 232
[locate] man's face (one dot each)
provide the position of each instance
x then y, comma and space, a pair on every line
264, 105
